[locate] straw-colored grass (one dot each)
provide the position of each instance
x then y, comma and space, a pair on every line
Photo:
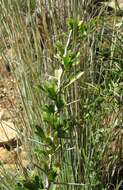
67, 63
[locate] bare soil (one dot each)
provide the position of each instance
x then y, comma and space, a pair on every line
10, 155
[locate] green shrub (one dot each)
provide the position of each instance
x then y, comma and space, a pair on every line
68, 80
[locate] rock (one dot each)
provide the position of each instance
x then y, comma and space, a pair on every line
7, 134
14, 160
5, 114
5, 156
1, 114
114, 4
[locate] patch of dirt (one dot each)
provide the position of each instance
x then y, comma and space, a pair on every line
11, 152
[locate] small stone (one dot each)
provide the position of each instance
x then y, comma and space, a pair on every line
112, 4
1, 114
7, 132
5, 156
5, 114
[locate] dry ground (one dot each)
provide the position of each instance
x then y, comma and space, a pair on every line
10, 155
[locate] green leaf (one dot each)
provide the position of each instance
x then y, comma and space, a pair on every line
72, 24
52, 176
50, 89
54, 172
31, 184
50, 119
20, 187
73, 79
50, 143
41, 153
82, 29
49, 109
59, 48
39, 131
60, 103
67, 61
